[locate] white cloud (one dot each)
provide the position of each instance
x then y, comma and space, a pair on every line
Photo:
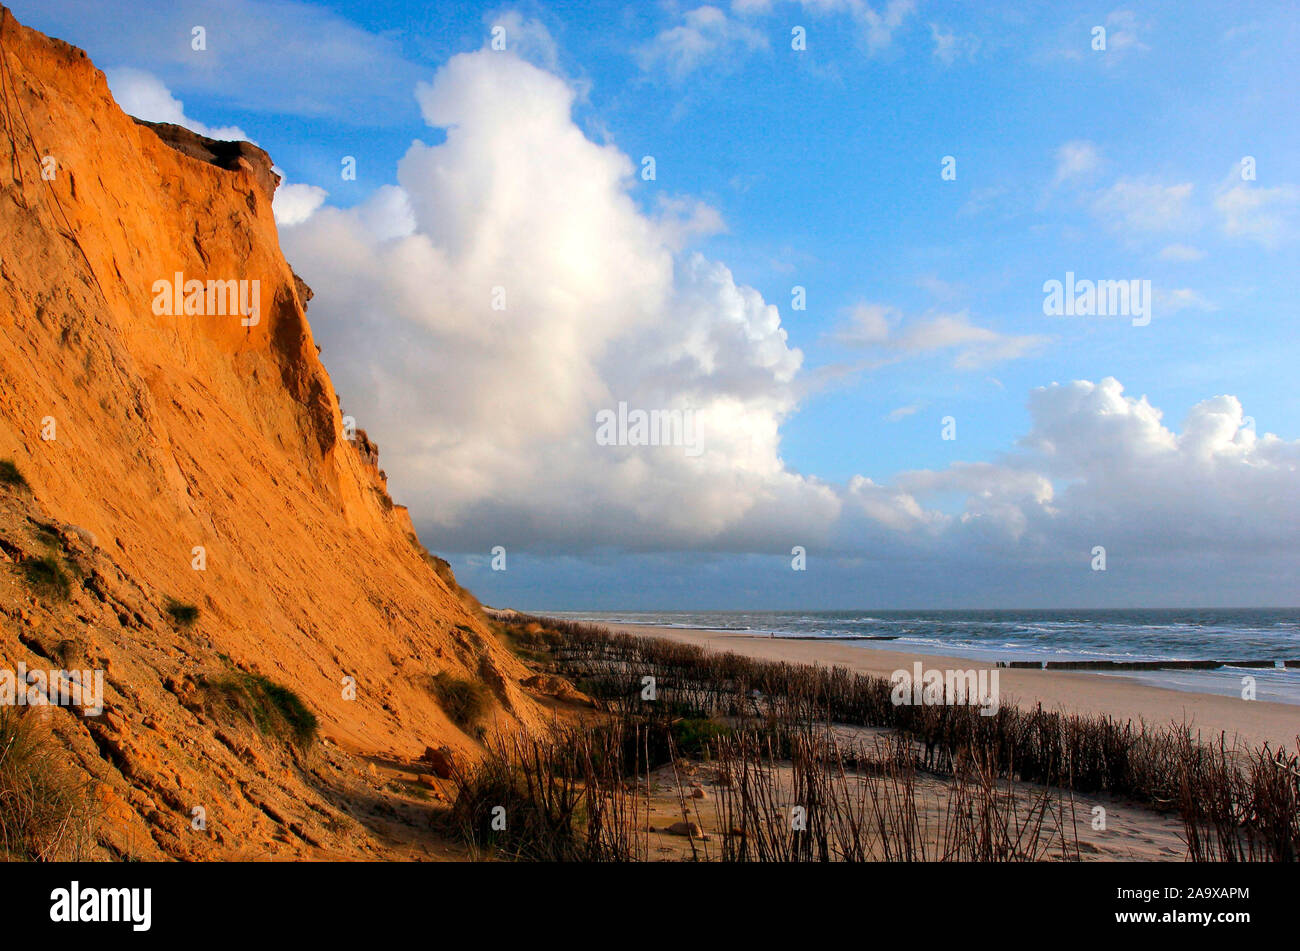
1265, 215
1076, 159
939, 289
1181, 298
269, 56
877, 23
1122, 28
1142, 205
950, 47
1099, 468
487, 417
386, 214
145, 96
1181, 253
526, 38
1216, 486
885, 330
1080, 423
683, 219
902, 412
294, 204
868, 324
706, 33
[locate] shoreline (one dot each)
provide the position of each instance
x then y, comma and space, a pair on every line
1248, 722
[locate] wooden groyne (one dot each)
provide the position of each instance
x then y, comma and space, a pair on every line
1144, 664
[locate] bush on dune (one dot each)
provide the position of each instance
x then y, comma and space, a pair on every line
273, 709
464, 701
47, 577
9, 474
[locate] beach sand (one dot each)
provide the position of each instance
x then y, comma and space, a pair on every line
1249, 722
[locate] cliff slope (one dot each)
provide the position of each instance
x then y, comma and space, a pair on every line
199, 458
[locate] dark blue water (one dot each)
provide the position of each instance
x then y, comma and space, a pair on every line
1237, 634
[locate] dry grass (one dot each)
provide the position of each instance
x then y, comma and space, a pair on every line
464, 701
46, 814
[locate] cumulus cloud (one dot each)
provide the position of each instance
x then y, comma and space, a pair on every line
1216, 486
510, 288
294, 204
1098, 467
477, 316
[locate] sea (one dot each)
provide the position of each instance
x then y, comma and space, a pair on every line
1226, 635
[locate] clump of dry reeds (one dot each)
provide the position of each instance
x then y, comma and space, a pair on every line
565, 796
871, 805
1239, 807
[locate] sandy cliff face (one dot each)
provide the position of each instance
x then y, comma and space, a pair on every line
184, 431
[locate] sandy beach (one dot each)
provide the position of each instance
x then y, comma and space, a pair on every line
1250, 722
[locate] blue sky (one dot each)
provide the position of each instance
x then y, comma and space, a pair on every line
819, 168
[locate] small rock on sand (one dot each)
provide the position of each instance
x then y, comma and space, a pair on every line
439, 760
691, 829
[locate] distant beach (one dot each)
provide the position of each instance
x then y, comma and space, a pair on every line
1201, 650
1156, 697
